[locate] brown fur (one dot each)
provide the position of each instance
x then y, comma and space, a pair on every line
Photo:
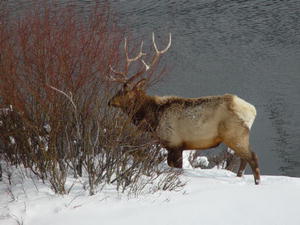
192, 123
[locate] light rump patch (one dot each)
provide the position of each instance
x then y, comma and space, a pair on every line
245, 111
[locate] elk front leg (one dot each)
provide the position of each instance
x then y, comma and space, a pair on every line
175, 158
242, 167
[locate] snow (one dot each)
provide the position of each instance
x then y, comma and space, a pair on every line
210, 197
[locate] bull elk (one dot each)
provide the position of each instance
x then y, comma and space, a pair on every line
186, 123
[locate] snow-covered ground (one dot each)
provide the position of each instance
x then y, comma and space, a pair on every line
210, 197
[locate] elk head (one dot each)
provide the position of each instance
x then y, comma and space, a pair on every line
130, 95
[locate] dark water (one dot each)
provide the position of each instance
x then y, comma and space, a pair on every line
247, 47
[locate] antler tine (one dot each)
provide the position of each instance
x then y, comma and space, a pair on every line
121, 74
113, 79
126, 48
168, 46
156, 48
145, 64
116, 72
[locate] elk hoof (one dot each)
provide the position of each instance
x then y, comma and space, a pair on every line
239, 174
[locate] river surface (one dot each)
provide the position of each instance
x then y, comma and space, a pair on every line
250, 48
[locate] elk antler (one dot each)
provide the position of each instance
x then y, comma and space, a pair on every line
123, 76
158, 53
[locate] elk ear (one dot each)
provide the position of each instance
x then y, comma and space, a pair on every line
140, 86
126, 87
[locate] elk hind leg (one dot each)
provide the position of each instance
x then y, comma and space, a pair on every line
239, 142
253, 162
251, 158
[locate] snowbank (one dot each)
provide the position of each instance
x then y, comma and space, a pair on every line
210, 197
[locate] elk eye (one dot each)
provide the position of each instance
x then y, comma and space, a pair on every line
120, 93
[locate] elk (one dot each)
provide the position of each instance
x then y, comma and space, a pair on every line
185, 123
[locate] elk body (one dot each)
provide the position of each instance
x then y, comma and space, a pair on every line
188, 123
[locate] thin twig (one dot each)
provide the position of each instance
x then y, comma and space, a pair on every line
64, 93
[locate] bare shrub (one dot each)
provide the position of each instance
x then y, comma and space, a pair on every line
223, 159
53, 94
